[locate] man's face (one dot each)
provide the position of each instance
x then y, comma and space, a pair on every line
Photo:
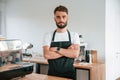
61, 19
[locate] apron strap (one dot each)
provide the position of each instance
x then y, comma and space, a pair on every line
69, 36
53, 36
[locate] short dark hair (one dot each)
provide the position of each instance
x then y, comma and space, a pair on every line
61, 8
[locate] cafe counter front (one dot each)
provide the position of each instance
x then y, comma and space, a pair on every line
96, 70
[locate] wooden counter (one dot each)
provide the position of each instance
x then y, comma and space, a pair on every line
32, 76
118, 78
96, 70
9, 67
35, 76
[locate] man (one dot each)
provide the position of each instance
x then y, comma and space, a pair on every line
60, 47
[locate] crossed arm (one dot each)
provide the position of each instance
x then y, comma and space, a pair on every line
71, 52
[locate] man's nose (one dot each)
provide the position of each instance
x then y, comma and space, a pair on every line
61, 19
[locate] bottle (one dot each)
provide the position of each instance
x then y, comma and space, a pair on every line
17, 58
1, 62
87, 56
90, 58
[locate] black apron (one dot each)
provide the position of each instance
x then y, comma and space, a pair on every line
63, 66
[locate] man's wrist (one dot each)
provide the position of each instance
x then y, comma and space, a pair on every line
57, 49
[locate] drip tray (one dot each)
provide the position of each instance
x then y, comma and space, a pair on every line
10, 71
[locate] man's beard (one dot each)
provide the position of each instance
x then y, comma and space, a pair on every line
61, 26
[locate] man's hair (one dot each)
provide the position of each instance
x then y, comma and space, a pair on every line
61, 8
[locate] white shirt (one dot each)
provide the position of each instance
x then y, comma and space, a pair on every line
60, 37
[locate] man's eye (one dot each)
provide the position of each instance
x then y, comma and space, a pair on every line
58, 17
64, 16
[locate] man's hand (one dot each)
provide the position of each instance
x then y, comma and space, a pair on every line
73, 46
53, 49
50, 53
72, 51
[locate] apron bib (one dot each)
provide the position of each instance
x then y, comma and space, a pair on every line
63, 66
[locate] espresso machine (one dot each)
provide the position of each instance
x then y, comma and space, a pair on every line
11, 64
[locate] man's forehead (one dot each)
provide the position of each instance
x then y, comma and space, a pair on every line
60, 13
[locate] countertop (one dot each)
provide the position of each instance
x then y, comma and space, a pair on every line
35, 76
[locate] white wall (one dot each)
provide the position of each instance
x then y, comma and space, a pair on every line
30, 19
112, 39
